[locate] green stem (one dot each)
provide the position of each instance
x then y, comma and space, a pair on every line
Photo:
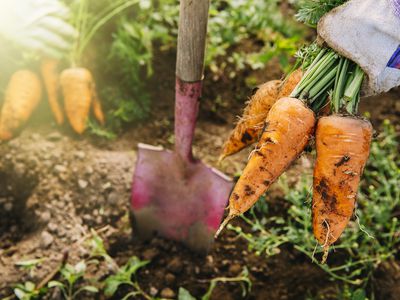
323, 83
315, 73
99, 23
340, 84
319, 73
352, 92
309, 72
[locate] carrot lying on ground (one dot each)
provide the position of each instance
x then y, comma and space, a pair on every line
289, 126
97, 109
343, 145
77, 88
250, 125
22, 95
51, 81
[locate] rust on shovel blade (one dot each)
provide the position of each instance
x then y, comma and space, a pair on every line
178, 199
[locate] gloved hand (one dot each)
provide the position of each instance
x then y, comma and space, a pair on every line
37, 25
367, 32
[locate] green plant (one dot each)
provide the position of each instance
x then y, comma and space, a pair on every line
242, 35
243, 279
71, 275
88, 24
125, 275
30, 265
311, 11
27, 291
370, 239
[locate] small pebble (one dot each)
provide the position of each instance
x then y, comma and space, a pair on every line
175, 265
82, 183
170, 278
153, 291
60, 169
47, 239
167, 293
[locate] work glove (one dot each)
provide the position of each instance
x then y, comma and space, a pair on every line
37, 25
368, 33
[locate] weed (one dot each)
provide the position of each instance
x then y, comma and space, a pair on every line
71, 275
126, 276
27, 291
30, 265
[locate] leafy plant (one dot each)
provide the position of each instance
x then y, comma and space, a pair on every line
30, 265
87, 24
126, 276
242, 35
311, 11
71, 275
370, 239
28, 291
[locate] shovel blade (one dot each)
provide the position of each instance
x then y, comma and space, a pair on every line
178, 199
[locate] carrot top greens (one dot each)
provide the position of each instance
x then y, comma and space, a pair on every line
329, 77
311, 11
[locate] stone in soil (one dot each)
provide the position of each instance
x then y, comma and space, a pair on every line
167, 293
175, 265
46, 239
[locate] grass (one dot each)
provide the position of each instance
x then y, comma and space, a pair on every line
371, 238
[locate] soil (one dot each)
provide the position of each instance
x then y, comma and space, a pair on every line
55, 187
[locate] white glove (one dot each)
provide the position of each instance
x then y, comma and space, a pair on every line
37, 25
367, 32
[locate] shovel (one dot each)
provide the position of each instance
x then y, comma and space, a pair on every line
174, 194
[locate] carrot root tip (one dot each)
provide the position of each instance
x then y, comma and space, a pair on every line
224, 223
325, 256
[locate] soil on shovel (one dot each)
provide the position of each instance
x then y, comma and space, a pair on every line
54, 188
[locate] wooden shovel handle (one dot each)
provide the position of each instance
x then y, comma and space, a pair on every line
192, 33
189, 72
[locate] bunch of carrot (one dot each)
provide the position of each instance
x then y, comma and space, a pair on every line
24, 92
323, 103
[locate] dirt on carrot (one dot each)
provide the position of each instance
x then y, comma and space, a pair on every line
343, 144
250, 125
289, 126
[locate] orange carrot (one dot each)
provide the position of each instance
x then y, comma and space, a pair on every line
250, 125
343, 144
77, 87
97, 109
289, 126
22, 95
51, 77
290, 83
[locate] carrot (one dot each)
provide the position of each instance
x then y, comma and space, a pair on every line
250, 125
51, 77
22, 95
96, 106
77, 87
290, 125
343, 144
290, 83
